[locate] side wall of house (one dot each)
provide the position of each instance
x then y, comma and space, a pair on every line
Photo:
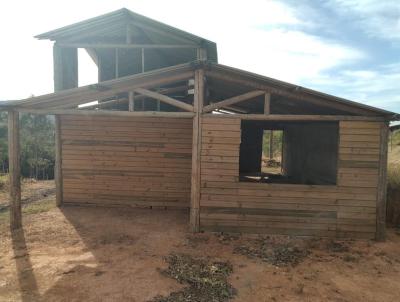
126, 160
347, 209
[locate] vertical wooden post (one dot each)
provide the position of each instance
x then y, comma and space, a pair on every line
382, 184
196, 151
201, 54
143, 66
267, 103
65, 77
58, 178
131, 99
65, 67
116, 63
14, 170
271, 144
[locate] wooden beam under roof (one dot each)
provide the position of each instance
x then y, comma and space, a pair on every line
108, 113
233, 100
165, 99
293, 117
110, 88
219, 72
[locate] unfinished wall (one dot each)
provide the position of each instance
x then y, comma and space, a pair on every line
347, 209
130, 161
311, 152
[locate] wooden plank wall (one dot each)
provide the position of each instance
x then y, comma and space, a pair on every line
132, 161
347, 209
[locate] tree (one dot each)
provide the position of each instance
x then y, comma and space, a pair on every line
3, 142
37, 146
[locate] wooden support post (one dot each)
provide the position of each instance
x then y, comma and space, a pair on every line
116, 63
382, 184
201, 54
267, 103
196, 151
58, 162
143, 60
131, 101
65, 77
65, 67
271, 144
14, 170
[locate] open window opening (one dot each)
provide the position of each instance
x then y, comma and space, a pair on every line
289, 152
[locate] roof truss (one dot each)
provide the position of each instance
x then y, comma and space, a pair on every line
161, 85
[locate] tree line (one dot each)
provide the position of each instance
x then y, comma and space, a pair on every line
36, 143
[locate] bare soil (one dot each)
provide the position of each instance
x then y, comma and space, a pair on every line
32, 190
115, 254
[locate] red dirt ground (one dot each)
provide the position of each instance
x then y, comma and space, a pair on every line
100, 254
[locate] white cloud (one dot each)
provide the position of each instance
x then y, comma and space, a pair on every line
261, 36
378, 87
377, 18
252, 37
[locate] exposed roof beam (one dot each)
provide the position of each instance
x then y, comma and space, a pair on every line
87, 94
226, 75
165, 99
293, 117
233, 100
108, 113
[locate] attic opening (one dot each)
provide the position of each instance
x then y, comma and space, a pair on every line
305, 152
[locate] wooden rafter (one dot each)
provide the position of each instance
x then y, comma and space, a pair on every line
85, 94
108, 113
233, 100
298, 117
165, 99
295, 95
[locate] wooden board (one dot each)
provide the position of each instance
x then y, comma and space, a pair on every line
132, 161
347, 209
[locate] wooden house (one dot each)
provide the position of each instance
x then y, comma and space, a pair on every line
170, 127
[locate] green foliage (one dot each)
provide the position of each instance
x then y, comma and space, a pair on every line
37, 145
3, 142
277, 143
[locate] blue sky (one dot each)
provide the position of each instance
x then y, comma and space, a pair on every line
348, 48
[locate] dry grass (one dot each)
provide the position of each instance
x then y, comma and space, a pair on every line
3, 182
394, 161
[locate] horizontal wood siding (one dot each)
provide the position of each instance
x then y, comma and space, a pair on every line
126, 161
347, 209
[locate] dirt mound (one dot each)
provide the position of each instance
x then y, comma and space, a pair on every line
207, 279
